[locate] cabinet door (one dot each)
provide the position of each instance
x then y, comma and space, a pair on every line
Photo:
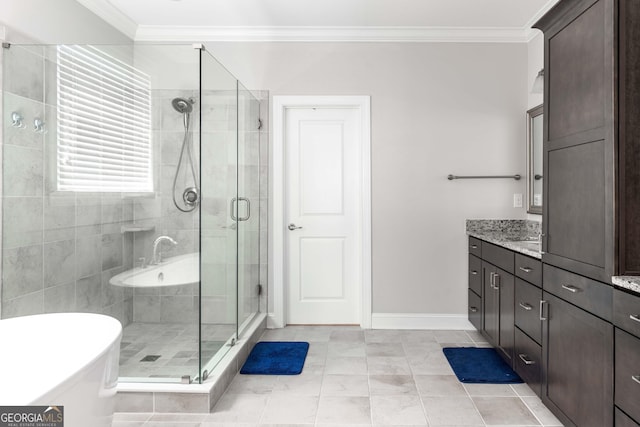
577, 365
505, 283
490, 305
579, 136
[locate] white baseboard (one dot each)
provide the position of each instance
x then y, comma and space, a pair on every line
272, 322
420, 321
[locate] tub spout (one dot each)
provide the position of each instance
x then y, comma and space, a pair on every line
157, 255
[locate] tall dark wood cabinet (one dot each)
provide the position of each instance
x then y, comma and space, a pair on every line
592, 137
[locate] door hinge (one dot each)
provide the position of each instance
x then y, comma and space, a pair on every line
259, 289
259, 124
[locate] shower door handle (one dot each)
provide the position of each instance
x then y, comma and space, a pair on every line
234, 208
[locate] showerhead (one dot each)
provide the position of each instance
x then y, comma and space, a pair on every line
183, 105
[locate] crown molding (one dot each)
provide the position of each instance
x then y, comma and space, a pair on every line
164, 33
546, 8
112, 15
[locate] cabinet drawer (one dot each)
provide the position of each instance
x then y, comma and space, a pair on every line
623, 420
527, 305
498, 256
588, 294
475, 246
475, 310
475, 274
529, 269
627, 383
626, 312
527, 360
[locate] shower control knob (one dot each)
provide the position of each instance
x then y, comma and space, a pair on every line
293, 227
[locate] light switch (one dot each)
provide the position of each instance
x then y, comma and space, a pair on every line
517, 200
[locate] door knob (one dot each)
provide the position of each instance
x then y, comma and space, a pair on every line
293, 227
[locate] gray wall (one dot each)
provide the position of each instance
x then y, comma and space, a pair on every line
437, 108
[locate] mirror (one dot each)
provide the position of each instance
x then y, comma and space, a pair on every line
534, 160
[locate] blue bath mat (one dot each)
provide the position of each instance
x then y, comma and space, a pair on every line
276, 358
480, 366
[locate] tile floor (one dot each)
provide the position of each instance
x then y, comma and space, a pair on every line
175, 343
367, 378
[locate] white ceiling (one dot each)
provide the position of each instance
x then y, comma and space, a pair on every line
181, 19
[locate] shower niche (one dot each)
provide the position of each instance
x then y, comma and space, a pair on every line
137, 161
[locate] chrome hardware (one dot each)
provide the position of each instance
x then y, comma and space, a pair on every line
525, 306
233, 208
496, 281
526, 269
451, 177
293, 227
38, 126
570, 288
542, 303
474, 246
205, 375
259, 124
636, 378
157, 256
161, 277
474, 272
191, 196
17, 121
6, 45
143, 262
634, 317
491, 282
473, 309
526, 359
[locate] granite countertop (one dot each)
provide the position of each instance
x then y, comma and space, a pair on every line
631, 283
516, 235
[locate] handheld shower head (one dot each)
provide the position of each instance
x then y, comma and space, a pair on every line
183, 105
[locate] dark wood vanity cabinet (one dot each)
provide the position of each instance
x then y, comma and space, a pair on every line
592, 137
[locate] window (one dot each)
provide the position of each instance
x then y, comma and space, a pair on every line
104, 123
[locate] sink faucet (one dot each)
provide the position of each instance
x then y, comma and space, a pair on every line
157, 255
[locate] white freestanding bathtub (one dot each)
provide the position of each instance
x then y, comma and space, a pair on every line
62, 359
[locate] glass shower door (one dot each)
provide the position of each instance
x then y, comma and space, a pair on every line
249, 196
219, 212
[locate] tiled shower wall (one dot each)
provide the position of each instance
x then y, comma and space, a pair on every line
61, 249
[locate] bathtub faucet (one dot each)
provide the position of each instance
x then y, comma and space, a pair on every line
157, 255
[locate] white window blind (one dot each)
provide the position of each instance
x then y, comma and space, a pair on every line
104, 123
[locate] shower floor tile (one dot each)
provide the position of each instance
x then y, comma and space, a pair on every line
176, 344
390, 378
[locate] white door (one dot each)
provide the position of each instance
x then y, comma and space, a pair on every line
323, 198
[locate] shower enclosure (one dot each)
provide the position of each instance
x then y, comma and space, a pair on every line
134, 185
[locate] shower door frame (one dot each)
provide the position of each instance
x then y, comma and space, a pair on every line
277, 258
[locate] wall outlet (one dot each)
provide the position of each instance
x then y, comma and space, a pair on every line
517, 200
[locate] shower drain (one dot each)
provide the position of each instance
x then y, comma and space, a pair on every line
150, 358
